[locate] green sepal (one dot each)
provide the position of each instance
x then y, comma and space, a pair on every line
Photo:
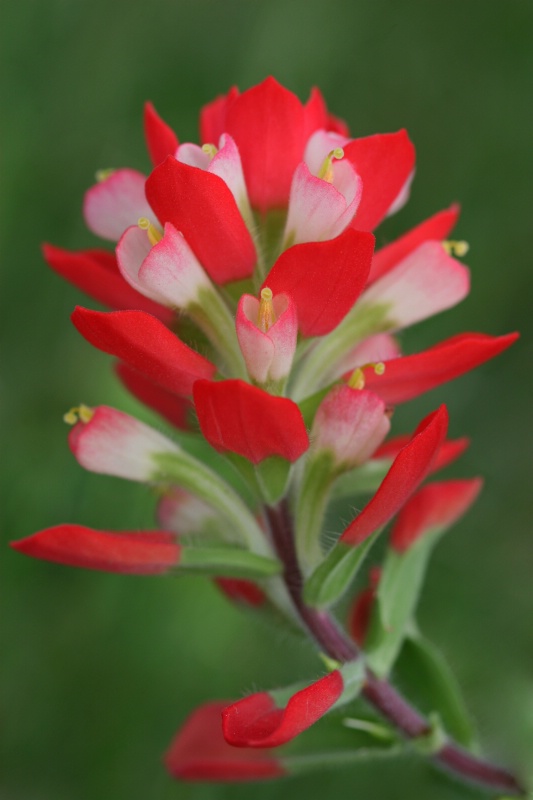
309, 406
397, 595
425, 675
335, 574
353, 675
434, 740
300, 764
272, 477
361, 480
313, 496
186, 471
228, 562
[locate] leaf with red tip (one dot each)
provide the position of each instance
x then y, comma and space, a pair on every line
161, 140
237, 417
144, 343
96, 273
256, 721
201, 206
435, 228
437, 505
409, 376
199, 752
407, 472
173, 408
449, 451
323, 278
385, 163
129, 552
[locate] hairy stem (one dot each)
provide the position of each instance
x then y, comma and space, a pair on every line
379, 693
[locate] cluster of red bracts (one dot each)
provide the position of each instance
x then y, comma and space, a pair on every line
282, 356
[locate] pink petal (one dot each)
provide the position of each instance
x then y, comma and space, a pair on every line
384, 162
323, 278
201, 206
128, 552
237, 417
318, 147
174, 409
407, 472
168, 272
351, 424
409, 376
115, 203
160, 138
319, 210
435, 228
146, 345
96, 273
380, 347
199, 752
114, 443
255, 721
268, 356
438, 505
183, 513
426, 282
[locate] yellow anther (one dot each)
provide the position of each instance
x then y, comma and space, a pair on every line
266, 316
326, 170
210, 149
154, 236
357, 378
454, 248
81, 413
103, 174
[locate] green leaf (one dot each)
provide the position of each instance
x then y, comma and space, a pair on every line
335, 574
311, 505
272, 476
229, 562
361, 480
427, 678
397, 595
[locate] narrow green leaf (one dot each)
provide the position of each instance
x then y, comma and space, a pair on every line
428, 679
311, 505
229, 562
272, 476
335, 574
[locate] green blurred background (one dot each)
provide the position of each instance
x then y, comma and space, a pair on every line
98, 671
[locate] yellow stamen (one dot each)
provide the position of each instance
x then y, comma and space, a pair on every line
454, 248
154, 236
103, 174
210, 149
266, 316
326, 170
357, 378
81, 413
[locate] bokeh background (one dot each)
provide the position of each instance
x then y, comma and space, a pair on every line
98, 671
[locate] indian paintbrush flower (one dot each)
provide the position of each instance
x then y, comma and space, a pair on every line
248, 308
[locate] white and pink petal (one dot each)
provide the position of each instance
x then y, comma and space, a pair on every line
115, 203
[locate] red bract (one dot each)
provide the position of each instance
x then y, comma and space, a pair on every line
407, 472
385, 162
202, 207
161, 140
241, 591
361, 610
96, 273
323, 297
271, 127
408, 376
256, 721
136, 553
437, 505
145, 344
448, 452
243, 419
173, 408
199, 752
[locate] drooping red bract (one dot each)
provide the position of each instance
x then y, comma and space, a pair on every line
128, 552
407, 472
409, 376
199, 752
323, 278
255, 721
237, 417
144, 343
437, 505
173, 408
